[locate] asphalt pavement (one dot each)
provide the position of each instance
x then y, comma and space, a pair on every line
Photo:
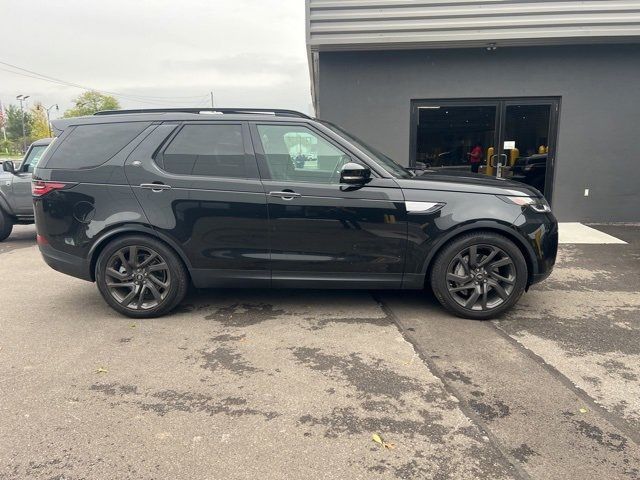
242, 384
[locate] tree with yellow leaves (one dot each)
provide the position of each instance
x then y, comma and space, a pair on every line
39, 122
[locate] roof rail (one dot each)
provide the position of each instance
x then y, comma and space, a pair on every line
274, 111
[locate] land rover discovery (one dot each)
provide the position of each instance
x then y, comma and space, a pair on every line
146, 202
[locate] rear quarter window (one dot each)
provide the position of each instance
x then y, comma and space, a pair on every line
89, 146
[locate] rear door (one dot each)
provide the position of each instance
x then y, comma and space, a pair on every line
324, 233
198, 184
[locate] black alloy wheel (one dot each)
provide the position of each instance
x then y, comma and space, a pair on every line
479, 275
141, 277
138, 277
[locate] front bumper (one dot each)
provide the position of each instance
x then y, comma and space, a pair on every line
541, 233
539, 277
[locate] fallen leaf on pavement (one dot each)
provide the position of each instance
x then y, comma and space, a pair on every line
378, 439
102, 370
583, 410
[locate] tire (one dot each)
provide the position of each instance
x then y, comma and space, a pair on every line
461, 289
150, 285
6, 225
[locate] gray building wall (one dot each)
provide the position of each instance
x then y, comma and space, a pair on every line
351, 24
369, 94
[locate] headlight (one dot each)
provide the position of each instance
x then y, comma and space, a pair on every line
539, 205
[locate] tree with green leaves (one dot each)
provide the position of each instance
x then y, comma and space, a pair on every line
14, 123
91, 102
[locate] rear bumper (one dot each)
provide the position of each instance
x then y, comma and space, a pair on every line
65, 263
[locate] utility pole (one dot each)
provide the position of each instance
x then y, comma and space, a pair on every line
48, 109
23, 98
3, 121
211, 98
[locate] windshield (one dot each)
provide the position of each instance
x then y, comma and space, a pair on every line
389, 165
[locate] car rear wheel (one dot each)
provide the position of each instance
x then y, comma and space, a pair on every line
141, 277
479, 275
6, 225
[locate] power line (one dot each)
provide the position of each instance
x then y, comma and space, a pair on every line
66, 84
90, 88
149, 99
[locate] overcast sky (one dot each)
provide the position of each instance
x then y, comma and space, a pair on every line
154, 53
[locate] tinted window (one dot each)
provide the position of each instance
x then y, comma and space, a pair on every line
296, 153
210, 150
88, 146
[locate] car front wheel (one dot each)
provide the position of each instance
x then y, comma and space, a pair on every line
141, 277
479, 275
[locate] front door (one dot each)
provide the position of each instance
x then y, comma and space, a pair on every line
22, 202
201, 189
323, 233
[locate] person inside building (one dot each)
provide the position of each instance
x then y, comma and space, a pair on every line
475, 157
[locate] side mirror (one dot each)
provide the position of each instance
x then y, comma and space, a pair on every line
354, 174
8, 166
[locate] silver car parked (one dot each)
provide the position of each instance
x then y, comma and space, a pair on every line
16, 206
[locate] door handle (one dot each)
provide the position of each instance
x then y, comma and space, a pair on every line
285, 195
495, 159
156, 187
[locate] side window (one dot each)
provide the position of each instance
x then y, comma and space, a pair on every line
89, 146
34, 156
209, 150
296, 153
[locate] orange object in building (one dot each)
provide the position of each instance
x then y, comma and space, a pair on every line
490, 153
542, 149
513, 156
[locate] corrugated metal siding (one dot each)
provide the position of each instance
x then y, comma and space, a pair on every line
389, 24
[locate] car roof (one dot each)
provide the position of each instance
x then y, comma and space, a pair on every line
181, 115
42, 141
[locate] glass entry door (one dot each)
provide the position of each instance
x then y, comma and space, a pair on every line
503, 138
528, 141
456, 136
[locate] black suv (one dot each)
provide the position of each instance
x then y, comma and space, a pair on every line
145, 202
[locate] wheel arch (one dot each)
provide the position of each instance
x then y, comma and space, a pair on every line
123, 231
485, 226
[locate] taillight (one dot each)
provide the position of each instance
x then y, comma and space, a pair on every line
40, 187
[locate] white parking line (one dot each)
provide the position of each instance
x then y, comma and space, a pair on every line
574, 232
